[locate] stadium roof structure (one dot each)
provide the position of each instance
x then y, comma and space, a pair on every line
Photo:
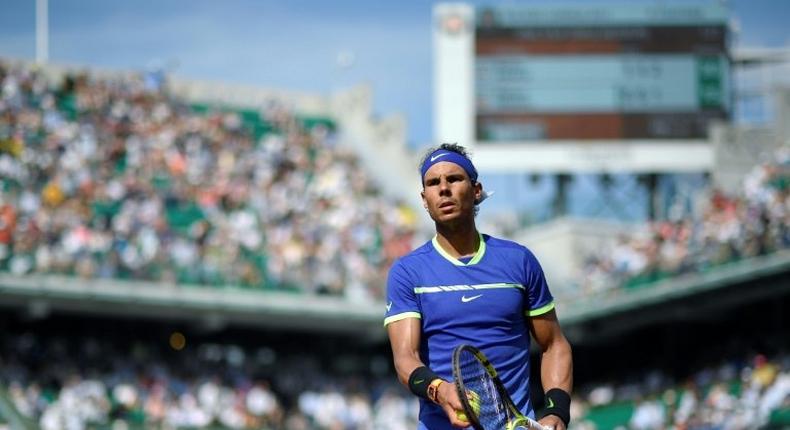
209, 307
754, 56
693, 296
214, 308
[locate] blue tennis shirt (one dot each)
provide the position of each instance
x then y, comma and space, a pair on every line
484, 302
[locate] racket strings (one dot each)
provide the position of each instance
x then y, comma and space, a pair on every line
480, 389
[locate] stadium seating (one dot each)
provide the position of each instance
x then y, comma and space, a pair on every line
103, 382
721, 229
113, 179
100, 383
109, 178
739, 393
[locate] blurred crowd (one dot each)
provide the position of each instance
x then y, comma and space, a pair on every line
719, 229
91, 383
73, 384
741, 393
115, 178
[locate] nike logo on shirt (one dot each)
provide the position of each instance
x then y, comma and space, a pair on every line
469, 299
388, 306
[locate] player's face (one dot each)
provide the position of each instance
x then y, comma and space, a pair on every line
448, 193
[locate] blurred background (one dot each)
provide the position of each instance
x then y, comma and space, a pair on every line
199, 202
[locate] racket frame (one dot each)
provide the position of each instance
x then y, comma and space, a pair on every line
504, 398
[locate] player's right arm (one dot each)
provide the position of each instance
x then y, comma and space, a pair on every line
403, 321
405, 342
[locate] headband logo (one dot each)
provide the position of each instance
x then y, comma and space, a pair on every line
452, 157
437, 156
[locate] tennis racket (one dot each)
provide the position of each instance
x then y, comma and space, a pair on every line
486, 403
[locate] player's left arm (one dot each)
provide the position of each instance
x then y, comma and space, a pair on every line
556, 370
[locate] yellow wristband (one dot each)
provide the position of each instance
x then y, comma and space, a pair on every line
433, 389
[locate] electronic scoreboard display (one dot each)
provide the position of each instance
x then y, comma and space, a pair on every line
633, 71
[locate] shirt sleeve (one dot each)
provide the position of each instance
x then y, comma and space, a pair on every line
401, 300
539, 298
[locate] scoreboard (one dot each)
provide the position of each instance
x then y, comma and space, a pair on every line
628, 71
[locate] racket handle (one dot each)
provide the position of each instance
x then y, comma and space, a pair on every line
534, 425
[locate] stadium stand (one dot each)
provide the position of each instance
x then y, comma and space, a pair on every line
135, 377
118, 179
738, 393
107, 179
115, 178
720, 229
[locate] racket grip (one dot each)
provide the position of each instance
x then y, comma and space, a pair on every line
534, 425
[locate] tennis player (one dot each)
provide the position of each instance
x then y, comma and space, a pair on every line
467, 287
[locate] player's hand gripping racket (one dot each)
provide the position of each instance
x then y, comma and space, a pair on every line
486, 403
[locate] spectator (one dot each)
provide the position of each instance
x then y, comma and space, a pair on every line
117, 179
726, 228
